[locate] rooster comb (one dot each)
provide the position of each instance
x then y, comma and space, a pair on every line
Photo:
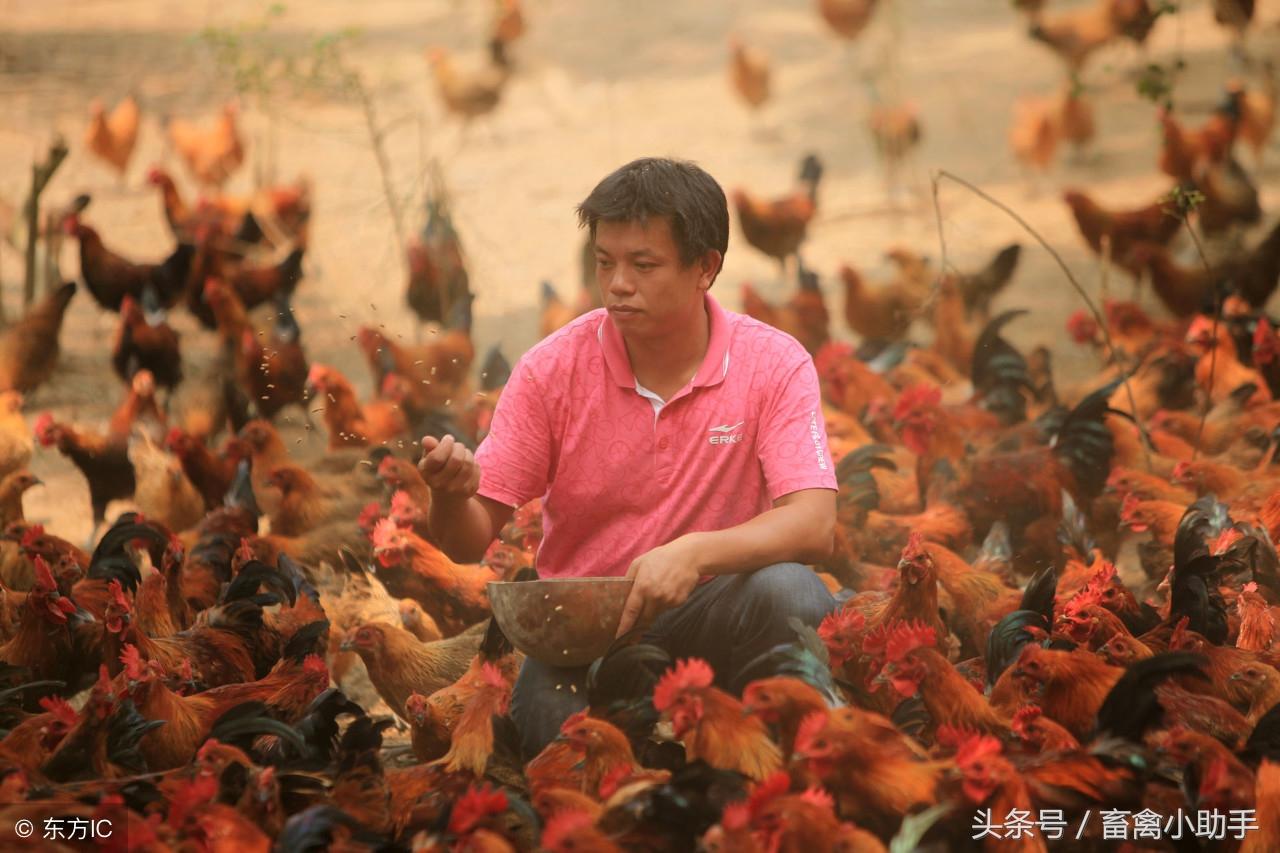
117, 595
44, 576
841, 623
907, 637
1026, 715
492, 676
915, 546
60, 709
776, 785
573, 720
474, 806
688, 674
917, 398
385, 533
809, 729
562, 825
369, 516
819, 797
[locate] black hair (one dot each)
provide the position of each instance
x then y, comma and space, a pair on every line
680, 191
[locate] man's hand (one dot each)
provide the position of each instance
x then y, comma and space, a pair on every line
664, 578
449, 469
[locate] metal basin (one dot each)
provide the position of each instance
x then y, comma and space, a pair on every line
568, 622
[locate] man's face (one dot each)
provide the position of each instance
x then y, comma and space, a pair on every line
643, 283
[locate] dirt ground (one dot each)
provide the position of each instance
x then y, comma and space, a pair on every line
597, 84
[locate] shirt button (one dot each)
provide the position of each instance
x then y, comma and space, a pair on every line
663, 444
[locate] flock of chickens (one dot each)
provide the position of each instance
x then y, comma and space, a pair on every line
1052, 599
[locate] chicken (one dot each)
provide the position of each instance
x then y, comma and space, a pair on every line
749, 73
601, 754
305, 503
777, 228
399, 665
712, 724
42, 644
349, 423
1123, 229
1184, 149
1034, 133
109, 277
103, 460
30, 347
847, 18
1071, 685
895, 132
1257, 112
1219, 371
881, 314
143, 345
472, 92
876, 773
162, 491
438, 371
112, 138
804, 316
437, 266
1076, 34
1183, 290
274, 373
456, 596
211, 152
275, 282
472, 740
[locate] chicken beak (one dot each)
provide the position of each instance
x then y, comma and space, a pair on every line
347, 645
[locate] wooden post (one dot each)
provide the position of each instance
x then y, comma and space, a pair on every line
41, 173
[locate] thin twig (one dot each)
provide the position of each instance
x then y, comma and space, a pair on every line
1093, 309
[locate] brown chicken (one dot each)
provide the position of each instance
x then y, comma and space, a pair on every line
1076, 34
437, 267
274, 282
847, 18
749, 73
1257, 113
1034, 133
399, 665
456, 596
103, 460
274, 373
142, 345
712, 724
1071, 685
349, 423
1184, 149
876, 773
804, 316
777, 228
1124, 229
30, 347
881, 314
213, 152
110, 277
112, 137
471, 92
16, 441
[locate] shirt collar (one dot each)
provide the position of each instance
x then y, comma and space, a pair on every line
715, 364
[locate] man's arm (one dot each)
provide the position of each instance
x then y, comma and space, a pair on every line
463, 522
799, 527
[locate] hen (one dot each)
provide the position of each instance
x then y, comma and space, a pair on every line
30, 347
213, 152
112, 137
778, 227
141, 344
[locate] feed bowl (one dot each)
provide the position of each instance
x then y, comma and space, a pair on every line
568, 622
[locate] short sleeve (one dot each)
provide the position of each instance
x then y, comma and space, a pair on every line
792, 439
515, 457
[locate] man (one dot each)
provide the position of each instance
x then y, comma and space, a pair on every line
670, 440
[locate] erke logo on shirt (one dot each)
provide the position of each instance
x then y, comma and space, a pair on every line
725, 433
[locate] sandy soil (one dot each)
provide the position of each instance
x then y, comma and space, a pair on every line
598, 83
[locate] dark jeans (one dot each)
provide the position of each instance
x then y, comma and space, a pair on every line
728, 621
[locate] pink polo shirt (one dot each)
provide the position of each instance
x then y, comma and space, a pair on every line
617, 478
